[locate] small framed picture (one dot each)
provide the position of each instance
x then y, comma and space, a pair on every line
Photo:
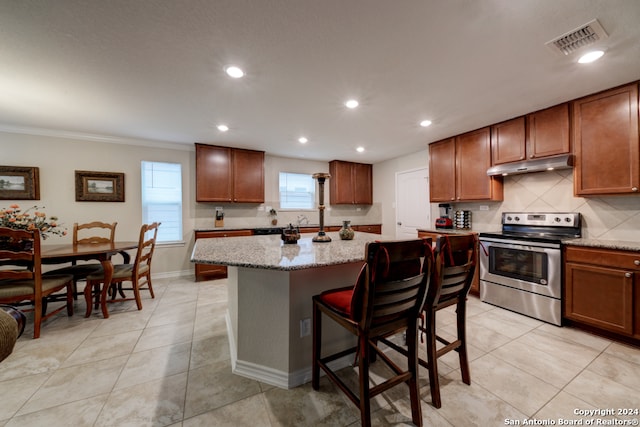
99, 186
19, 183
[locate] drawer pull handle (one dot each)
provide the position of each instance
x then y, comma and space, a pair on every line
627, 275
637, 262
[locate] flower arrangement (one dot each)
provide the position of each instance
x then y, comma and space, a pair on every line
14, 217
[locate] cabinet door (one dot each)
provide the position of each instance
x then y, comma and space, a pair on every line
442, 171
599, 296
473, 158
508, 141
340, 183
605, 132
362, 184
248, 176
548, 132
213, 174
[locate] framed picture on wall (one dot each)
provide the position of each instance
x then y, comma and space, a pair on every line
99, 186
19, 183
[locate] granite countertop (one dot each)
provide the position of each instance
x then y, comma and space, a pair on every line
604, 244
270, 252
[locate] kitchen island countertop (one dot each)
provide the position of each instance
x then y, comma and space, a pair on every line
270, 252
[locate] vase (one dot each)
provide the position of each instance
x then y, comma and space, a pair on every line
346, 232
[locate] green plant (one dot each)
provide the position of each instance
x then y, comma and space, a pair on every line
14, 217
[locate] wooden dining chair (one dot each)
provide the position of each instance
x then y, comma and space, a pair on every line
21, 277
385, 300
88, 233
96, 293
453, 270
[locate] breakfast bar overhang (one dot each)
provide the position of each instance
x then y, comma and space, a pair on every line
270, 285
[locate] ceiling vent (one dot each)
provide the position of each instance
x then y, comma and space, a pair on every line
575, 40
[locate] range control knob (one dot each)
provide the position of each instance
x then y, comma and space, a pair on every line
557, 219
567, 219
517, 218
509, 218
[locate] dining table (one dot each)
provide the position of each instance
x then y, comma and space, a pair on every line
103, 252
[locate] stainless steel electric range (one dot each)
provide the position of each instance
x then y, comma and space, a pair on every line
521, 266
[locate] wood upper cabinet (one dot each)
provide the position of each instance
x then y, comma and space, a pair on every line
350, 183
607, 146
541, 134
226, 174
508, 141
473, 158
602, 289
442, 171
458, 169
548, 132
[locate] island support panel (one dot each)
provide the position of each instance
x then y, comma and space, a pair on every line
264, 314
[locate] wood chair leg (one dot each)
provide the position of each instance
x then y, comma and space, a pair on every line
365, 396
316, 351
414, 388
432, 358
462, 337
71, 295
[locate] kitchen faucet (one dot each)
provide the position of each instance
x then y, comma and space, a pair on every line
303, 220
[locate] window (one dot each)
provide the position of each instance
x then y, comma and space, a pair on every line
162, 199
297, 191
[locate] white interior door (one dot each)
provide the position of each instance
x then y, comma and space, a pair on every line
412, 202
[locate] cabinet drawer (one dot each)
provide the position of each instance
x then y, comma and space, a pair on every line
609, 258
229, 233
374, 229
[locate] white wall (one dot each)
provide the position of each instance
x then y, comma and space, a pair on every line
58, 157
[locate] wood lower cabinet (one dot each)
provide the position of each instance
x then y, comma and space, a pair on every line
374, 229
350, 183
607, 145
226, 174
211, 271
602, 289
475, 284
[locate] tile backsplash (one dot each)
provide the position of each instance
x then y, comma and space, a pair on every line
605, 217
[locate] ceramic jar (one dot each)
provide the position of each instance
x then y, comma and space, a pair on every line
346, 232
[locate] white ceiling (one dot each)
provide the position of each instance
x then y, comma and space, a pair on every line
154, 69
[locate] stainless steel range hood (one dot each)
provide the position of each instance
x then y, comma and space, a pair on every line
564, 161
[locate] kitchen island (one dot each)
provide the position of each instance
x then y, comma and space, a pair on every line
270, 285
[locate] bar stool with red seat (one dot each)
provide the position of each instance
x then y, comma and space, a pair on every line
385, 300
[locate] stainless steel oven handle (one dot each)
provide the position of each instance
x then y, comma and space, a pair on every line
521, 243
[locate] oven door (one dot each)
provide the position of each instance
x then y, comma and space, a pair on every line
530, 267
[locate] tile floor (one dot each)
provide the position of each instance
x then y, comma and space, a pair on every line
168, 365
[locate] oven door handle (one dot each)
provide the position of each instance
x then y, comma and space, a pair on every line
520, 243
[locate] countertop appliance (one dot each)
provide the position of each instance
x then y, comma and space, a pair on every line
521, 266
444, 221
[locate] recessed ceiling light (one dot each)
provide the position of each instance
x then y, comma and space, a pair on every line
235, 72
360, 149
223, 128
588, 57
425, 123
352, 103
303, 140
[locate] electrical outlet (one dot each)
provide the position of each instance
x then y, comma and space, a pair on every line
305, 327
484, 207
